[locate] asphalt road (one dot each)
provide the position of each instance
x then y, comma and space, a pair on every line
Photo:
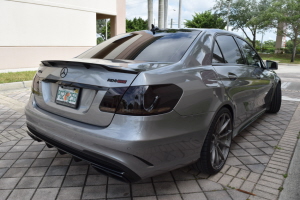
290, 76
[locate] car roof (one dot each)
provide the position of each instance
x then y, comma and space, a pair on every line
206, 30
213, 30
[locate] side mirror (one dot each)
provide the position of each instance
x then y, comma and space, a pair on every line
272, 65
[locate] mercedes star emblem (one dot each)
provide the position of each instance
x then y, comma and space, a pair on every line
63, 72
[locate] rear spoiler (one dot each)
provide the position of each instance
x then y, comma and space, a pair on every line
60, 63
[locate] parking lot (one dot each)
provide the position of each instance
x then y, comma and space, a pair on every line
256, 167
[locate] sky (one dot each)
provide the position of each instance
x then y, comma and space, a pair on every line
139, 8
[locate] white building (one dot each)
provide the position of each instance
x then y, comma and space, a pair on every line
35, 30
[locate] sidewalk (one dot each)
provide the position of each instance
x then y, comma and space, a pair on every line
259, 158
15, 85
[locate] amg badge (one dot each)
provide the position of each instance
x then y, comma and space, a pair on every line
116, 80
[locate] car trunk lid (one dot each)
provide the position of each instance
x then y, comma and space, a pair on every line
75, 88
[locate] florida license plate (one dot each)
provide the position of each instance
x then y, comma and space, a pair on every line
67, 96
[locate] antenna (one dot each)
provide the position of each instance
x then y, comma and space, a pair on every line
154, 29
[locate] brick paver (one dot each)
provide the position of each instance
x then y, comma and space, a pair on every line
258, 159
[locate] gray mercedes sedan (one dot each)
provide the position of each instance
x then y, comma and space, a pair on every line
147, 102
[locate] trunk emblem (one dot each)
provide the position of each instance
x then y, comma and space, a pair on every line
116, 80
64, 72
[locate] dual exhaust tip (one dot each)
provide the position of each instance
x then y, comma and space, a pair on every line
100, 169
61, 152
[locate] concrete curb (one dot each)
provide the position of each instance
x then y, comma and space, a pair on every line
15, 85
18, 70
289, 64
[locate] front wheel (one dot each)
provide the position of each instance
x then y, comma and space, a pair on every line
217, 143
276, 100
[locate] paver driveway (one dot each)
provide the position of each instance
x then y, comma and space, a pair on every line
255, 169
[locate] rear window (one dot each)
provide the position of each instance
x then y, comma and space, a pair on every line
164, 46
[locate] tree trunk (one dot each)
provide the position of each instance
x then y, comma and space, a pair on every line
254, 39
150, 14
294, 50
279, 38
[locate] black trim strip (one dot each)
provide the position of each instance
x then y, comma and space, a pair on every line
144, 161
247, 123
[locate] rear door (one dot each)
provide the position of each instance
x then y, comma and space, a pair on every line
262, 82
234, 73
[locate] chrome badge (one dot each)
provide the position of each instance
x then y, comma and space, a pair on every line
64, 72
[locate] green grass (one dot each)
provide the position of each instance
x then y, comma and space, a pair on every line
282, 58
277, 147
16, 76
285, 175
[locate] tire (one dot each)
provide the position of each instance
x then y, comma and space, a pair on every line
276, 100
217, 143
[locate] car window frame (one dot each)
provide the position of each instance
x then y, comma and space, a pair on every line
213, 48
226, 64
261, 61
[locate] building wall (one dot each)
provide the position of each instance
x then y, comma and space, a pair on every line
29, 57
35, 30
96, 6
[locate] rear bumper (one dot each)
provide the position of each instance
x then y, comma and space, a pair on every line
131, 147
100, 163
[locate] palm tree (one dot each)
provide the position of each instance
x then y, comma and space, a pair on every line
161, 14
150, 13
166, 14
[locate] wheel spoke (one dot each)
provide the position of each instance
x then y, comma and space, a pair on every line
212, 147
219, 126
223, 144
225, 134
224, 126
223, 119
217, 160
213, 154
220, 153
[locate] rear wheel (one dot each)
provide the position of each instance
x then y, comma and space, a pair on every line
276, 100
217, 143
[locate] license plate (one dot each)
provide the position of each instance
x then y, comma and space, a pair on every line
67, 96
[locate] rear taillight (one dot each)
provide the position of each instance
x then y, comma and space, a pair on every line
112, 99
141, 100
35, 88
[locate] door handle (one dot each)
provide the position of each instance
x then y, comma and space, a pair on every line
232, 76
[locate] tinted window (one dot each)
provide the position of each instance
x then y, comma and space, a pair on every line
201, 54
164, 46
250, 54
217, 55
230, 50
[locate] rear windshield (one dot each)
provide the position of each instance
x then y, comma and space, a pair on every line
163, 46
